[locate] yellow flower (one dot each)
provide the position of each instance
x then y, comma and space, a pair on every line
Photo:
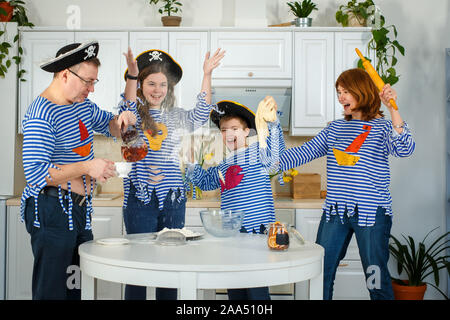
208, 156
287, 179
294, 172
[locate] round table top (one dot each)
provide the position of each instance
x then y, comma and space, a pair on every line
244, 252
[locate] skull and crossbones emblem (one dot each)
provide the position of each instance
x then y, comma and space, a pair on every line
155, 55
90, 52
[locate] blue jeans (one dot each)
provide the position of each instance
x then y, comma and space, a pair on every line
373, 244
55, 247
142, 218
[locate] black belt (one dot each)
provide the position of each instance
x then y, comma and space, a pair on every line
53, 192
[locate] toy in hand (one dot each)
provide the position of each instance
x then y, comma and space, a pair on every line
267, 111
374, 75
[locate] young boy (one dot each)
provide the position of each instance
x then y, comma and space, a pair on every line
246, 184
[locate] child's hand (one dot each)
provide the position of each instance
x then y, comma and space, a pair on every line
212, 62
386, 94
133, 69
267, 109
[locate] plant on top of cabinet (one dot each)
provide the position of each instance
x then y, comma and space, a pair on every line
354, 13
384, 46
170, 6
419, 261
302, 11
19, 15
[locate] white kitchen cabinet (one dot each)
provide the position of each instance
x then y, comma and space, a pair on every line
112, 69
106, 222
346, 58
144, 41
313, 89
350, 281
38, 47
253, 55
189, 50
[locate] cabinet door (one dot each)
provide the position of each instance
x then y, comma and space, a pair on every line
189, 50
19, 257
313, 93
144, 41
350, 280
38, 47
107, 222
346, 57
113, 65
253, 55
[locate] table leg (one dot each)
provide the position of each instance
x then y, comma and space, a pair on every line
88, 287
188, 286
316, 287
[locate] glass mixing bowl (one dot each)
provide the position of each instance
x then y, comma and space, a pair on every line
222, 223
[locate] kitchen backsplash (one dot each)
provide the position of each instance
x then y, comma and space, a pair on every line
110, 149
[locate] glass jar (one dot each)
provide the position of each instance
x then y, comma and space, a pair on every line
278, 236
133, 146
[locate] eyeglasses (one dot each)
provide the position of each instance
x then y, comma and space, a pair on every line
88, 83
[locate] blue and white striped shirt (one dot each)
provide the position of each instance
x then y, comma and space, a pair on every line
250, 189
50, 133
165, 161
364, 184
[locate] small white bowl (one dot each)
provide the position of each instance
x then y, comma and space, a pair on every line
123, 168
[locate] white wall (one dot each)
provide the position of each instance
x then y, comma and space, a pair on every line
418, 183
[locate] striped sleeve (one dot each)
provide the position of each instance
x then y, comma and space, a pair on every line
206, 180
101, 119
313, 149
400, 145
195, 118
38, 146
270, 156
128, 105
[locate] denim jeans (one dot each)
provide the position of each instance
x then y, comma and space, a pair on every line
373, 244
55, 247
142, 218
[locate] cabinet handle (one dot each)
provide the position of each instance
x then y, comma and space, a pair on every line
250, 74
343, 265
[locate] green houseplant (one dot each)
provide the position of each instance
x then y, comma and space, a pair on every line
382, 42
302, 10
169, 7
419, 261
18, 15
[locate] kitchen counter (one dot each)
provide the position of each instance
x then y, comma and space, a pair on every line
280, 203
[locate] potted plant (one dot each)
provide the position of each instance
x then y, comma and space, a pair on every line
418, 262
12, 11
302, 11
355, 13
170, 7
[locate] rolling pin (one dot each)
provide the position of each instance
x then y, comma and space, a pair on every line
374, 75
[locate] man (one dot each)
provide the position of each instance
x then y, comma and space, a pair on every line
60, 167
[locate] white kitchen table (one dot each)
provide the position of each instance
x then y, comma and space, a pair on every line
243, 261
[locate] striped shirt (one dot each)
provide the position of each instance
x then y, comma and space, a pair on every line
50, 133
358, 172
165, 161
250, 189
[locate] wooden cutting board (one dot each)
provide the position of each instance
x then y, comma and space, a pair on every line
306, 186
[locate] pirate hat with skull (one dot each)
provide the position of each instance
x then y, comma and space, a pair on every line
232, 108
71, 55
149, 57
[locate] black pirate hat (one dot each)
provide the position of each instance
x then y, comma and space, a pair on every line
71, 55
158, 56
233, 108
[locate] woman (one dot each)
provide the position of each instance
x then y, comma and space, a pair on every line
358, 177
154, 193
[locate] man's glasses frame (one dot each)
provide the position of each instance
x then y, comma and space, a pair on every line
88, 83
